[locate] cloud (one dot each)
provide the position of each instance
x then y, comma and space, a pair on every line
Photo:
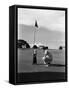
51, 19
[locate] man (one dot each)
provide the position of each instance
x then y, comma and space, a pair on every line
35, 56
47, 58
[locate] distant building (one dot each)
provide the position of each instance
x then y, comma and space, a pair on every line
23, 46
41, 46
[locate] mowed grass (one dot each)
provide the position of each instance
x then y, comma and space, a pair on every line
25, 61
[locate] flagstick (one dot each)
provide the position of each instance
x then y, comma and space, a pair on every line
34, 36
35, 47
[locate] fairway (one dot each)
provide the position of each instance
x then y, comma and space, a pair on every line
25, 60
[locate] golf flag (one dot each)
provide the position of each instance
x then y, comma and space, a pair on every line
36, 25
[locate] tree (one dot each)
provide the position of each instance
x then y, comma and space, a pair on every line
21, 43
35, 47
60, 47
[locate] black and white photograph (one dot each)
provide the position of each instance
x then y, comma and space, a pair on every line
34, 44
38, 45
41, 40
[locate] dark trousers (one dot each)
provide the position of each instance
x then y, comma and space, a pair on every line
34, 59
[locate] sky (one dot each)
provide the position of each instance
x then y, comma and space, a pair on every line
52, 19
51, 26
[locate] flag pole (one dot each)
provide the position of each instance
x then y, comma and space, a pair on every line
34, 36
35, 50
36, 26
